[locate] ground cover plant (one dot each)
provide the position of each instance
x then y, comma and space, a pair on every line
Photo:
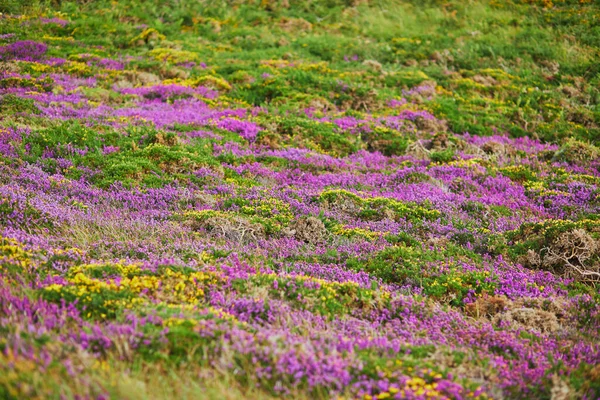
302, 199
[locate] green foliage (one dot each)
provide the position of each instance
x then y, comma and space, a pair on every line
12, 104
413, 266
519, 173
144, 155
535, 236
501, 67
378, 207
326, 298
442, 156
486, 67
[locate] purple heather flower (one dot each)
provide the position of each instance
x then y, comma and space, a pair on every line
109, 149
55, 20
26, 50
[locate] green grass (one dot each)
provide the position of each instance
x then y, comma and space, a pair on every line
528, 53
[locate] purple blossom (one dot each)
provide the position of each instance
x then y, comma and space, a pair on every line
26, 50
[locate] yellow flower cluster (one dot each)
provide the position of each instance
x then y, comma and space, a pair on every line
35, 66
462, 163
516, 168
213, 312
170, 287
349, 232
318, 67
406, 75
405, 40
47, 38
14, 368
332, 289
13, 253
148, 34
78, 68
468, 83
497, 73
173, 55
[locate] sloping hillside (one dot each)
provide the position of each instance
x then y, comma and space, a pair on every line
299, 199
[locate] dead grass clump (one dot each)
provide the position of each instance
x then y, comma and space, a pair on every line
440, 141
551, 67
174, 73
234, 228
571, 91
472, 149
437, 242
561, 390
131, 79
540, 314
374, 65
577, 152
417, 150
344, 205
205, 199
468, 368
166, 139
493, 148
295, 25
320, 103
485, 80
9, 67
430, 125
309, 229
442, 58
554, 306
528, 318
487, 306
570, 255
361, 101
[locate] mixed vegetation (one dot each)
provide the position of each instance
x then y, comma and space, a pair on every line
302, 199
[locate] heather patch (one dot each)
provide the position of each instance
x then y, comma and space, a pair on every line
318, 199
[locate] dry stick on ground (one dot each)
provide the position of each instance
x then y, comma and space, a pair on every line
565, 259
570, 246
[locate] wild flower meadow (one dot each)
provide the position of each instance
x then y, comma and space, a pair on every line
299, 199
